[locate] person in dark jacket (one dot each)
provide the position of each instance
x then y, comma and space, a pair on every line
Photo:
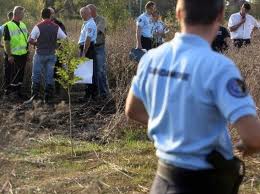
44, 36
220, 42
58, 64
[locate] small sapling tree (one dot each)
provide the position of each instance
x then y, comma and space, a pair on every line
68, 55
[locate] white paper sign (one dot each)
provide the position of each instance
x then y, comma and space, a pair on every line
85, 72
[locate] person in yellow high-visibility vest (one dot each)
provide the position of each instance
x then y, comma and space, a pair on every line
16, 51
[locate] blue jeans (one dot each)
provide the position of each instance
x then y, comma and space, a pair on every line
101, 71
43, 65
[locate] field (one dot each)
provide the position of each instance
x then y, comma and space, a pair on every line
112, 154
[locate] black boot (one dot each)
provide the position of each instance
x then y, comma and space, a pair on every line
57, 88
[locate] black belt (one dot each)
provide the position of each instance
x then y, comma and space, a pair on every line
239, 39
150, 38
98, 45
170, 172
225, 177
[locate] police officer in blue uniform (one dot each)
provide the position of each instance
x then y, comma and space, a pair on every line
187, 94
87, 40
144, 27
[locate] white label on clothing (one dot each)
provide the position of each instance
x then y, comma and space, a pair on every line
85, 72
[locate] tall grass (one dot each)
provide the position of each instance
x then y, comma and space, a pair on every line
121, 70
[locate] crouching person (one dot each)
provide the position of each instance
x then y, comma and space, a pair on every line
44, 37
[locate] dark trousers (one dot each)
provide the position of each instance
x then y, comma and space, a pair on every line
56, 76
174, 180
241, 42
147, 43
14, 73
91, 89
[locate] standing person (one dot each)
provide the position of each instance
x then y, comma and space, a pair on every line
102, 81
44, 36
16, 51
220, 42
87, 41
144, 26
58, 64
242, 25
187, 94
158, 30
10, 17
1, 35
56, 21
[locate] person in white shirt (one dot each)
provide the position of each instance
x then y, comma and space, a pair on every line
44, 37
144, 26
241, 26
87, 41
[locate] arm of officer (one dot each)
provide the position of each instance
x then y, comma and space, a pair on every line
138, 37
135, 109
249, 130
139, 25
87, 45
237, 105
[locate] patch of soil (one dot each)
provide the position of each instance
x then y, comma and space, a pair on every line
19, 122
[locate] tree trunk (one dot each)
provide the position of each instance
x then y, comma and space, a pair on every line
70, 115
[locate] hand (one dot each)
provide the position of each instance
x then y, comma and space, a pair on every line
28, 57
243, 20
11, 59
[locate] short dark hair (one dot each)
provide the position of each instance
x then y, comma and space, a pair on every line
46, 13
149, 4
247, 6
10, 14
202, 12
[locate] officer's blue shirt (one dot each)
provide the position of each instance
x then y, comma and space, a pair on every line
191, 94
89, 29
145, 22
